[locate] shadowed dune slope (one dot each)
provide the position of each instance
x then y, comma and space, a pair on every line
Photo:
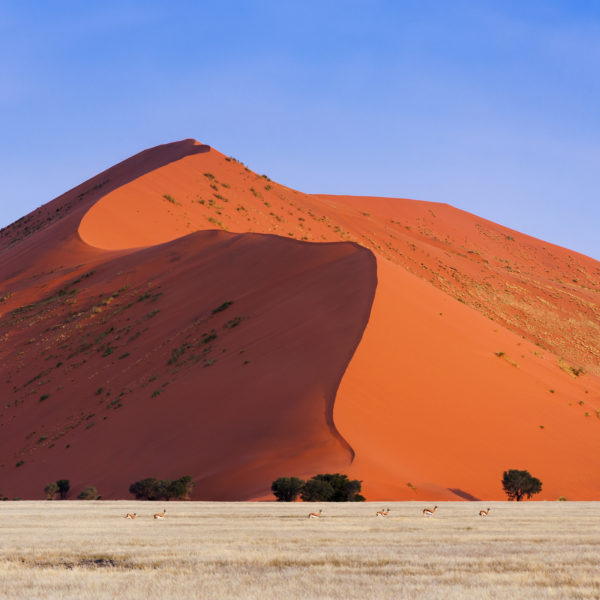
130, 369
481, 353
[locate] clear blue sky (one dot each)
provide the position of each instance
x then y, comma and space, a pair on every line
491, 106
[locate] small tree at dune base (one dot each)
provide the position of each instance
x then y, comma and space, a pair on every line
287, 489
518, 484
60, 487
332, 487
63, 488
163, 489
88, 493
51, 490
181, 489
317, 490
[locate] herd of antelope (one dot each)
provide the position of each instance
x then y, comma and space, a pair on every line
157, 516
384, 512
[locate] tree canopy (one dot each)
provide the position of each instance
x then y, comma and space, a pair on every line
51, 490
88, 493
287, 489
152, 488
332, 487
518, 484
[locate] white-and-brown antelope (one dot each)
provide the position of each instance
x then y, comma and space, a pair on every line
484, 513
131, 516
315, 515
161, 515
428, 512
384, 512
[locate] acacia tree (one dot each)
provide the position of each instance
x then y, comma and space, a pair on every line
181, 489
63, 488
317, 490
287, 489
517, 484
332, 487
163, 489
145, 489
88, 493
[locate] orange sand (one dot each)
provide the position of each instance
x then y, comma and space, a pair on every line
425, 400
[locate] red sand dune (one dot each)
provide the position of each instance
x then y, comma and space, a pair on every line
480, 353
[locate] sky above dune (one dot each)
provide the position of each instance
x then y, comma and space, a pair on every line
491, 107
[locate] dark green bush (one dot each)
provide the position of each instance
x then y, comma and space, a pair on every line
287, 489
88, 493
222, 307
163, 489
63, 488
145, 489
317, 490
51, 490
332, 487
181, 489
60, 487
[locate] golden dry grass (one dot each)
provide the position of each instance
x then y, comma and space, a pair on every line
271, 550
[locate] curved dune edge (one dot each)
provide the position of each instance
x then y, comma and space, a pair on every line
427, 402
139, 213
367, 401
423, 398
257, 405
129, 217
546, 293
309, 441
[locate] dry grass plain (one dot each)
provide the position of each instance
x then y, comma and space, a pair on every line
271, 550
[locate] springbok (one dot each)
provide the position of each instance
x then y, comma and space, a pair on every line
428, 512
131, 516
315, 515
484, 513
383, 512
161, 515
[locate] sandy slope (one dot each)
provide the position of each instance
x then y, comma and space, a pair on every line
144, 379
442, 395
115, 368
546, 293
441, 411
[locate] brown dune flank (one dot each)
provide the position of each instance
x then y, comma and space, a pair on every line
415, 346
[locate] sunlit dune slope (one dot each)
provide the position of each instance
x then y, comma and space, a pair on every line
481, 352
439, 400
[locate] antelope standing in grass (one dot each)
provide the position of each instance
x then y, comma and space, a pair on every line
383, 512
484, 513
315, 515
161, 515
131, 516
428, 512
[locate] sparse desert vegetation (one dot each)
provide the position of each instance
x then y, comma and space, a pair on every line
162, 489
87, 549
325, 487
